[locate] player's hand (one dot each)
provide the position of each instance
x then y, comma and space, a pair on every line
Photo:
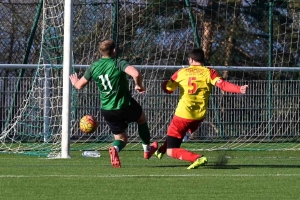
140, 89
243, 89
164, 87
74, 78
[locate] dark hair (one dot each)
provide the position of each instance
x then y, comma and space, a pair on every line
107, 47
197, 55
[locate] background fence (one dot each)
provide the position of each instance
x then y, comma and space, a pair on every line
259, 113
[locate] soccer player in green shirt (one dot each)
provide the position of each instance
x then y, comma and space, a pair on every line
117, 105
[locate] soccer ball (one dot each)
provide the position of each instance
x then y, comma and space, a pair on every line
88, 124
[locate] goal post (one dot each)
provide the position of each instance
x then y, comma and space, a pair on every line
67, 67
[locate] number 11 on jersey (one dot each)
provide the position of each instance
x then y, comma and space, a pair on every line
105, 82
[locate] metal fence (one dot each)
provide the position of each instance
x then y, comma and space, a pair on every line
269, 109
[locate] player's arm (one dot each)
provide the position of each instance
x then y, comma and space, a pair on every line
169, 86
137, 78
164, 87
230, 87
225, 85
78, 83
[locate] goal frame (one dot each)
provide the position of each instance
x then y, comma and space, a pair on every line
67, 65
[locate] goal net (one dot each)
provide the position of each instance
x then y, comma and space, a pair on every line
248, 42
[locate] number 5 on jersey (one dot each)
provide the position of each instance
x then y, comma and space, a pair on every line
192, 84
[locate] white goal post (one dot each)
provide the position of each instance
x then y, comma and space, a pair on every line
67, 64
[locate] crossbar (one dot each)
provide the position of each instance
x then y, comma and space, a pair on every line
221, 68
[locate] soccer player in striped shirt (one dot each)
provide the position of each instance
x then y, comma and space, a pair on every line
195, 83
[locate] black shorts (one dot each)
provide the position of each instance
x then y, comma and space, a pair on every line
173, 142
118, 120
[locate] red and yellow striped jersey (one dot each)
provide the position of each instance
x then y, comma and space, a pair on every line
195, 83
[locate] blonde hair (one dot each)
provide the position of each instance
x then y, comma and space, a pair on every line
107, 47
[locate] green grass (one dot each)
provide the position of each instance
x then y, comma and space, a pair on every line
247, 175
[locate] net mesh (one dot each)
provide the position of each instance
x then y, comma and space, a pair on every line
161, 33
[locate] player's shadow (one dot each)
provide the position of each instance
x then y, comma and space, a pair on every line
171, 166
213, 166
267, 166
216, 166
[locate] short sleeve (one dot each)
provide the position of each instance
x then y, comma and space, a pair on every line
172, 83
122, 64
214, 76
88, 73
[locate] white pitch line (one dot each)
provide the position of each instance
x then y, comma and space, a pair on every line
149, 175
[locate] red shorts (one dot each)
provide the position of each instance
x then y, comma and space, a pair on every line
180, 126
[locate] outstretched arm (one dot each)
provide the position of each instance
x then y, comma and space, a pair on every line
137, 77
230, 87
78, 83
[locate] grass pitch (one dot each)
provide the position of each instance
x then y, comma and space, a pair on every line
233, 175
